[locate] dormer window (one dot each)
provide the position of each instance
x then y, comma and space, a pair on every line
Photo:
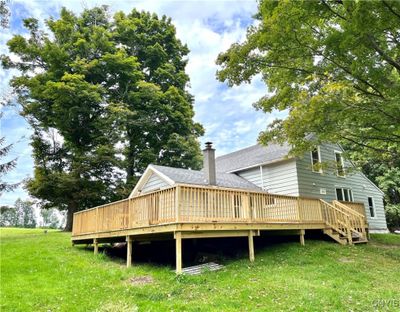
339, 164
316, 160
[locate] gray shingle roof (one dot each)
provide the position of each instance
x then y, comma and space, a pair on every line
186, 176
252, 156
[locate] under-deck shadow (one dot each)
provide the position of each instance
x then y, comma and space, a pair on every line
197, 251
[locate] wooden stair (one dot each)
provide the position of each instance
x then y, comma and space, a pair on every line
342, 239
344, 225
336, 236
358, 239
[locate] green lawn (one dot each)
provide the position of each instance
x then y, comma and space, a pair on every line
42, 272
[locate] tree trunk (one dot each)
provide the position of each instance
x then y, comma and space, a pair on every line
70, 217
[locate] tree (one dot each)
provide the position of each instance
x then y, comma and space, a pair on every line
337, 78
4, 14
6, 166
8, 216
161, 128
100, 99
50, 218
25, 216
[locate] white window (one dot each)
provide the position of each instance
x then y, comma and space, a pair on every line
339, 164
344, 194
316, 160
371, 207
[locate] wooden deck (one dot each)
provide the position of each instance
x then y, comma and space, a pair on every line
187, 211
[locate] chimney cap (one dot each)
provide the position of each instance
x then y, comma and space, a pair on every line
208, 145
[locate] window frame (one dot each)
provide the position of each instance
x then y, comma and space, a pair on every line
319, 160
341, 193
373, 207
349, 194
342, 163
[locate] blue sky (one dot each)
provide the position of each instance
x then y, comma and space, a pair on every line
207, 27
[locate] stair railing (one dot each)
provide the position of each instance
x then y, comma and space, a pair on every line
337, 219
357, 220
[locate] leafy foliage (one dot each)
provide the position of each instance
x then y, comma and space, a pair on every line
4, 14
105, 98
338, 78
8, 216
393, 216
7, 166
50, 218
161, 130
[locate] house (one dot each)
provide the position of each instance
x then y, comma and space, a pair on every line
239, 194
269, 168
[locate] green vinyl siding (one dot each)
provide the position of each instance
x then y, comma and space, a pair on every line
277, 178
311, 183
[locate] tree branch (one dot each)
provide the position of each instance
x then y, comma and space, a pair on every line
380, 150
382, 53
333, 11
390, 8
365, 91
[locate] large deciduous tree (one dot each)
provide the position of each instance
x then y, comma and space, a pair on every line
334, 66
162, 129
103, 104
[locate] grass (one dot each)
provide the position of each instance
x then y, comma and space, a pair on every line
42, 272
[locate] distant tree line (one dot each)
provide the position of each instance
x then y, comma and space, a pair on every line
22, 214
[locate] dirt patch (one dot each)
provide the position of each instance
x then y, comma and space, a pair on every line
346, 260
141, 280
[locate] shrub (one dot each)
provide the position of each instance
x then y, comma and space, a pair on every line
393, 216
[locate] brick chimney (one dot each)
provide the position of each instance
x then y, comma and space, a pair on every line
209, 164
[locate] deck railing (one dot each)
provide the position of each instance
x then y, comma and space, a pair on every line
188, 203
359, 207
356, 221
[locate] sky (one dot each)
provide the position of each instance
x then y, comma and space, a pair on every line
207, 27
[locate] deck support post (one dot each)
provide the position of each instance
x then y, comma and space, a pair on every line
178, 251
129, 242
302, 233
96, 246
251, 246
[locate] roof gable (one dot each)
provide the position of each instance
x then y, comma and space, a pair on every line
252, 156
148, 173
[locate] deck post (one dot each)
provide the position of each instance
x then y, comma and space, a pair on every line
302, 233
251, 246
178, 250
96, 246
128, 251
